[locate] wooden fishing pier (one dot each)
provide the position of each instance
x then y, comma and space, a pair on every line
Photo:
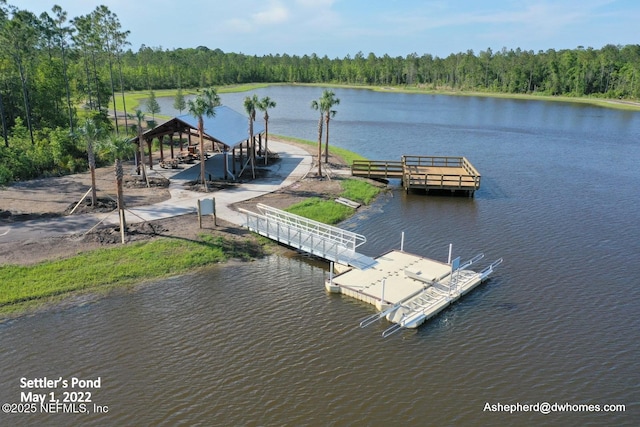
423, 172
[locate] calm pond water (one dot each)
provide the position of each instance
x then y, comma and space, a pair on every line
262, 344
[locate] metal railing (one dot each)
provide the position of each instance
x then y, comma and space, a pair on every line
417, 307
347, 239
316, 238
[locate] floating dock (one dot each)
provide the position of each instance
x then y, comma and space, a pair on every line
408, 289
455, 174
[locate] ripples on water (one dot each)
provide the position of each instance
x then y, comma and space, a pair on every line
261, 343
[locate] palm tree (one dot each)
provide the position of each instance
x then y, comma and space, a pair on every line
328, 100
139, 116
317, 105
204, 104
250, 105
264, 105
118, 148
92, 134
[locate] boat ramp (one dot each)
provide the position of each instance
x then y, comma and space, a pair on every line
406, 289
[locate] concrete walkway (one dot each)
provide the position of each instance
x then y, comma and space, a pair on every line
294, 164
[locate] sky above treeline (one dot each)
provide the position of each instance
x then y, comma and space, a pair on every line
338, 28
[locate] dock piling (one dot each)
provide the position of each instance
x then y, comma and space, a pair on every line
331, 273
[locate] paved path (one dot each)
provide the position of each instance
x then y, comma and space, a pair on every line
294, 164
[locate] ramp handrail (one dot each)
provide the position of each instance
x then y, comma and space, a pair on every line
396, 327
471, 261
313, 237
415, 311
377, 316
347, 239
488, 270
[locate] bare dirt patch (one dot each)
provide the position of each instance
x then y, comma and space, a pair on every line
297, 192
50, 197
53, 196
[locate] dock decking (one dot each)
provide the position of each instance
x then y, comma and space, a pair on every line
423, 172
408, 289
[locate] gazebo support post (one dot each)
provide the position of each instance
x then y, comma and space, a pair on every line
224, 158
233, 160
150, 154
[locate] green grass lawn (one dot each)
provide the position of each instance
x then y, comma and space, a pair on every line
23, 287
133, 99
331, 212
103, 269
122, 265
325, 211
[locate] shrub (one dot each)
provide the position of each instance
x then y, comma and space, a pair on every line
5, 175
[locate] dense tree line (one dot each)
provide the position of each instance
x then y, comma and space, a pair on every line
53, 69
612, 71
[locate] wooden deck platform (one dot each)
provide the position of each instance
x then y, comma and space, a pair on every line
423, 172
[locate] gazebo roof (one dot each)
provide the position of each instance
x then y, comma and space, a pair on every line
227, 127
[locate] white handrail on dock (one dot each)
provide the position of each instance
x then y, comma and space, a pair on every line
316, 238
424, 300
348, 239
377, 316
412, 311
488, 270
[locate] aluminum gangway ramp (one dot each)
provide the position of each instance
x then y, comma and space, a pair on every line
322, 240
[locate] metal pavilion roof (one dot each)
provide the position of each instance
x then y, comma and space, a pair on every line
227, 127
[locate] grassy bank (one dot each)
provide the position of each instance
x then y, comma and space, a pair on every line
133, 99
26, 287
347, 156
104, 269
588, 100
331, 212
598, 102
